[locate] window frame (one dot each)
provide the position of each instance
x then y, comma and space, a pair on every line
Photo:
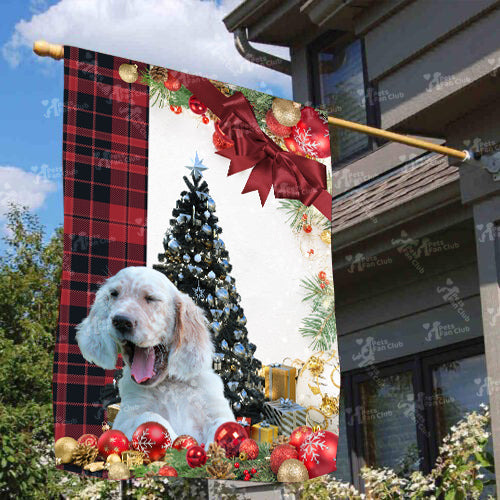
338, 39
420, 364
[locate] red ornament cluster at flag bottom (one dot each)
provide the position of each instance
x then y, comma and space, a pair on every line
230, 436
168, 471
152, 439
299, 434
88, 440
250, 447
196, 456
183, 442
318, 452
281, 453
112, 441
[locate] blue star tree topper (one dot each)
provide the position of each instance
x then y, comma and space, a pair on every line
197, 167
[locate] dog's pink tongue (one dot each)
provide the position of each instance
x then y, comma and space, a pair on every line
142, 366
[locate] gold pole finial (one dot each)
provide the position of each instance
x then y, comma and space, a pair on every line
43, 48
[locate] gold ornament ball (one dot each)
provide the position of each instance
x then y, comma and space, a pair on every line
286, 112
113, 459
64, 449
128, 72
326, 237
118, 470
292, 471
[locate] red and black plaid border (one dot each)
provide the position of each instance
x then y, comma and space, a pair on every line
105, 160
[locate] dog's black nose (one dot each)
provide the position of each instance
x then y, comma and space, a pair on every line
122, 323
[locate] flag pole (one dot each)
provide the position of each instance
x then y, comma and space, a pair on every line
56, 51
403, 139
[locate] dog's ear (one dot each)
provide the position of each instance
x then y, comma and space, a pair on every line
93, 337
192, 348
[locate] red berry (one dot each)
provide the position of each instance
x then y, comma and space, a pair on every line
322, 275
205, 119
253, 471
246, 478
322, 285
237, 465
304, 217
245, 472
307, 228
327, 282
176, 109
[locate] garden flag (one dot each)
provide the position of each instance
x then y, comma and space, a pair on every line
197, 332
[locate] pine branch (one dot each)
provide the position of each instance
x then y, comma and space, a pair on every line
161, 96
320, 327
295, 210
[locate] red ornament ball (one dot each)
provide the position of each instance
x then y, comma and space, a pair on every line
171, 83
196, 106
89, 440
292, 146
307, 228
246, 478
196, 456
319, 453
221, 141
152, 439
112, 441
311, 134
253, 471
275, 126
183, 442
176, 109
230, 435
299, 434
205, 119
237, 465
250, 447
168, 471
281, 453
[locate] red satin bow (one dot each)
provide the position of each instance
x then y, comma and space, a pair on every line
291, 176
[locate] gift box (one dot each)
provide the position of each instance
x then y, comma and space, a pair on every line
246, 422
113, 412
280, 381
286, 414
264, 432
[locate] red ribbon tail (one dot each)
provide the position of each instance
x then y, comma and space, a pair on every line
261, 180
323, 203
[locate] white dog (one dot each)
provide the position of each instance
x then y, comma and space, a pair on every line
166, 347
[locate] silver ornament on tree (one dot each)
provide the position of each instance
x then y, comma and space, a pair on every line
206, 229
174, 245
222, 294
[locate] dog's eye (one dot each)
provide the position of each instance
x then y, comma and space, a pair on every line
149, 298
114, 293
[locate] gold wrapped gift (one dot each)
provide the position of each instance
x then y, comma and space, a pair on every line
280, 381
112, 412
264, 432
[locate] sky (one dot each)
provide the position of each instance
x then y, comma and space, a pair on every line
188, 36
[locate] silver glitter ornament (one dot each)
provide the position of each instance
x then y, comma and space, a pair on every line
174, 245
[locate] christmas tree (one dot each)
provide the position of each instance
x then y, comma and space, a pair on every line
197, 262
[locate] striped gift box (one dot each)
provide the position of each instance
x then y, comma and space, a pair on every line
286, 414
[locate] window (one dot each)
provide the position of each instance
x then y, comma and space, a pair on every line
397, 413
339, 85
